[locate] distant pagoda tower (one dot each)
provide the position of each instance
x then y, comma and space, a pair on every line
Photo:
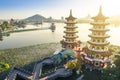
97, 52
70, 38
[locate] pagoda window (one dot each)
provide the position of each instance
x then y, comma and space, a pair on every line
99, 27
98, 40
96, 64
102, 48
93, 47
98, 33
97, 56
103, 41
97, 47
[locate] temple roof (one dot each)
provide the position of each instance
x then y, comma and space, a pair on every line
70, 16
100, 15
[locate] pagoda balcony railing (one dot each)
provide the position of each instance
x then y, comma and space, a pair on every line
71, 22
97, 59
71, 42
70, 36
94, 29
99, 36
99, 43
100, 22
70, 31
98, 50
70, 27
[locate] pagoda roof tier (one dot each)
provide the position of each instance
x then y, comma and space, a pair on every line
98, 43
70, 16
99, 23
70, 31
101, 30
98, 36
70, 42
71, 22
97, 59
71, 27
94, 50
70, 37
100, 15
90, 52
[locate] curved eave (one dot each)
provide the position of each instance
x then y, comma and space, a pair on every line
97, 59
71, 32
70, 37
101, 30
70, 22
100, 17
107, 53
70, 27
101, 51
99, 23
98, 36
70, 42
70, 18
98, 44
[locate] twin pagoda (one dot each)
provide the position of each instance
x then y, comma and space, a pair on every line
97, 52
71, 38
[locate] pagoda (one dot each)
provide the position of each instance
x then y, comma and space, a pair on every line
70, 38
97, 52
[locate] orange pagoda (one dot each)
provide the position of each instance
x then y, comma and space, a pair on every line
97, 52
71, 38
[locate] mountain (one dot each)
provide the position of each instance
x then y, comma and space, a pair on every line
35, 18
39, 18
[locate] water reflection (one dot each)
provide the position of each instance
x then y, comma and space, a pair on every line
47, 36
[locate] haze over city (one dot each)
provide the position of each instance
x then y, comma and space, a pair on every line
20, 9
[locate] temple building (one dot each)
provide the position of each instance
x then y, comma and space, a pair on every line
97, 52
71, 38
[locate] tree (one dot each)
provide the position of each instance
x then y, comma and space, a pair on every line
4, 25
114, 72
3, 66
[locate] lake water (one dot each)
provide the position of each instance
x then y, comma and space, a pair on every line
21, 39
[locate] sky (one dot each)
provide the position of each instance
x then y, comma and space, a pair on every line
20, 9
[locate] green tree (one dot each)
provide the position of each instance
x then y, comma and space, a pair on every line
3, 66
114, 72
4, 25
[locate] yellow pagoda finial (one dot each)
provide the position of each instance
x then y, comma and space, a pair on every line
70, 12
100, 10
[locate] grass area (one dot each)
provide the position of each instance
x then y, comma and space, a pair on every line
26, 56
